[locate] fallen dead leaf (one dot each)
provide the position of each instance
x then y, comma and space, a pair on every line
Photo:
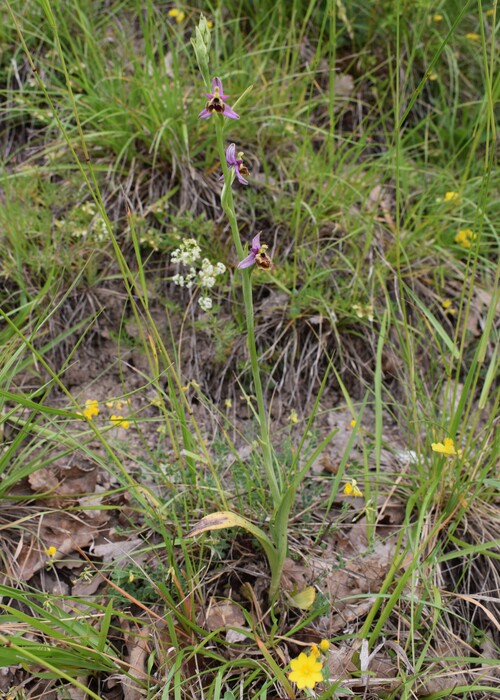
90, 505
77, 480
375, 663
222, 614
84, 588
338, 662
138, 651
363, 569
62, 482
303, 599
59, 530
295, 576
77, 693
234, 636
347, 619
116, 551
344, 84
43, 481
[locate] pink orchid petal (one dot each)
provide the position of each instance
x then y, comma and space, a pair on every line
230, 113
240, 177
217, 83
231, 154
256, 243
247, 262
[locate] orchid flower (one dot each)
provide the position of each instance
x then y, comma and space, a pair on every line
216, 103
236, 162
257, 256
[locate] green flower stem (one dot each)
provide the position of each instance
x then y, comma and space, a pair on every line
228, 206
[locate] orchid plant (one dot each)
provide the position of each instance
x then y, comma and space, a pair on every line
282, 490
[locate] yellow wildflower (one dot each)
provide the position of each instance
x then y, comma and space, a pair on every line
351, 489
315, 650
91, 408
118, 404
131, 577
433, 75
120, 422
437, 18
324, 645
178, 15
51, 551
210, 24
306, 671
447, 305
452, 197
228, 403
473, 36
192, 384
447, 447
293, 417
352, 424
465, 237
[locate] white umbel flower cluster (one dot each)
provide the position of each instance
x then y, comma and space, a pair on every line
185, 280
205, 303
187, 253
203, 275
209, 272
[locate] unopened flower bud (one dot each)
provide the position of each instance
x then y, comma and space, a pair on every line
205, 32
201, 45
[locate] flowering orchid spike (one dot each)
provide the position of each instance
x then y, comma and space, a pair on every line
257, 256
236, 162
216, 103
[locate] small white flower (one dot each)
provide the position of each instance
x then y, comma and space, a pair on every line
188, 257
206, 281
205, 303
179, 280
190, 278
89, 208
207, 266
100, 230
209, 272
150, 240
363, 311
206, 272
187, 253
